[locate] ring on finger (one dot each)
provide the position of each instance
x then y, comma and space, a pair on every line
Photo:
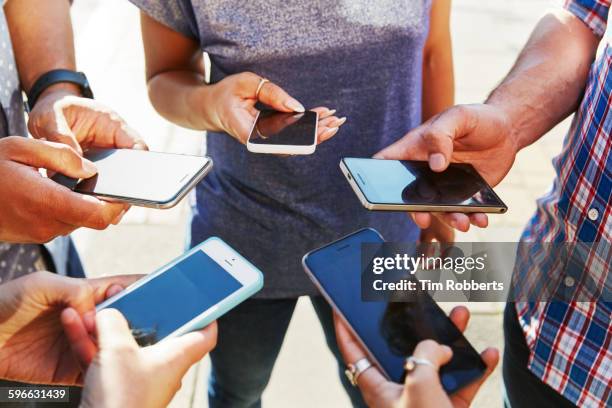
262, 82
412, 363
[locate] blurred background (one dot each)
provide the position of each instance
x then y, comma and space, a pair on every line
487, 38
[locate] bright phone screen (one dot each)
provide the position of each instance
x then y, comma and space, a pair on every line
175, 297
287, 129
391, 331
413, 182
137, 174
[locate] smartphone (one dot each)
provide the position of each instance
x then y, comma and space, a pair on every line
393, 185
388, 331
139, 177
188, 294
284, 133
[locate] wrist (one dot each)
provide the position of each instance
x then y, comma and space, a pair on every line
201, 108
60, 90
507, 123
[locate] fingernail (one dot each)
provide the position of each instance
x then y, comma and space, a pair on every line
294, 106
340, 121
331, 112
437, 161
89, 167
332, 130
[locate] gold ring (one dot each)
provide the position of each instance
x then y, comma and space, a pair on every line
262, 82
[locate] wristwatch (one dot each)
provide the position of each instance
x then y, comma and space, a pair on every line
57, 76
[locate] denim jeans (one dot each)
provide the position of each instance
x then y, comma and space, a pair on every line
250, 338
523, 388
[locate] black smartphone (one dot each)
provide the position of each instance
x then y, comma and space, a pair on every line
389, 331
394, 185
139, 177
284, 133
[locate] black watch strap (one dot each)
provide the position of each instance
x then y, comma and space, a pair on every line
55, 77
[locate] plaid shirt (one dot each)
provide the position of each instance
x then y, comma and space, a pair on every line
570, 342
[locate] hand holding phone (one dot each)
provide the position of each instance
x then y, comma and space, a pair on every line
187, 294
393, 185
292, 133
140, 177
388, 331
418, 390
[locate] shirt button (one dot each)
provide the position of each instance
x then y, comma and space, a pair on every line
569, 281
593, 214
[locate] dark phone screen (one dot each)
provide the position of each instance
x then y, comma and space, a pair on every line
137, 174
175, 297
279, 128
391, 331
413, 182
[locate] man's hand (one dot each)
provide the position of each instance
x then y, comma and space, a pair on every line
124, 375
33, 346
34, 208
477, 134
81, 123
422, 387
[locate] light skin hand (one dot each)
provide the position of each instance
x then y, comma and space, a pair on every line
124, 375
34, 197
422, 387
33, 346
81, 123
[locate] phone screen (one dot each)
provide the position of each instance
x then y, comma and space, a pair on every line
137, 174
176, 296
391, 331
413, 182
287, 129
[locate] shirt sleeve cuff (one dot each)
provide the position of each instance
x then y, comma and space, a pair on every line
591, 12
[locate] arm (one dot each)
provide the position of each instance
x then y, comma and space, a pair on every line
41, 32
544, 86
438, 75
175, 77
550, 72
438, 89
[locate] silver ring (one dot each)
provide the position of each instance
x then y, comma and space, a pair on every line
353, 371
262, 82
413, 362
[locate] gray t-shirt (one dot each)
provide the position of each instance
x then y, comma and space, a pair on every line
361, 57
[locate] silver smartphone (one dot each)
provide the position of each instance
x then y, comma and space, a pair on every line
394, 185
140, 178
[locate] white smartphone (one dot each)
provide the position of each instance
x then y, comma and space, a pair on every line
284, 133
141, 178
187, 294
394, 185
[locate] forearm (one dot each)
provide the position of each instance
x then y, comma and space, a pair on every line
182, 97
438, 82
41, 32
547, 81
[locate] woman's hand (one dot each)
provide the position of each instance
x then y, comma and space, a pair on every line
229, 106
422, 387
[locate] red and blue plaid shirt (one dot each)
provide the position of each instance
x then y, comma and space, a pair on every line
570, 342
